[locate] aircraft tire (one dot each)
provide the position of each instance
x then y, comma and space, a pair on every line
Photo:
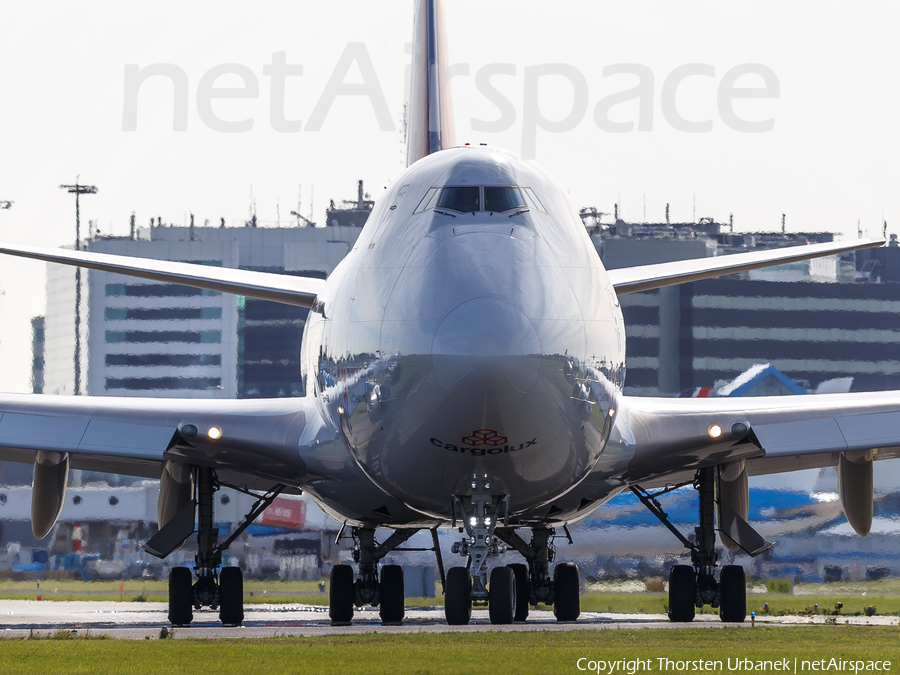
231, 596
733, 589
566, 585
502, 596
340, 595
458, 597
181, 596
682, 589
391, 595
520, 572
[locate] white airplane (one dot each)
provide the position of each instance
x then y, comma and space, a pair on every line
463, 367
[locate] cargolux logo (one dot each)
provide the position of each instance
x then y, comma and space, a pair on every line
488, 443
485, 437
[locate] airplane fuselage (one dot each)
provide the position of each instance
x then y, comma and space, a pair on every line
455, 341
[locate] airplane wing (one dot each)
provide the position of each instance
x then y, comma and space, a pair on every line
283, 288
136, 436
647, 277
673, 437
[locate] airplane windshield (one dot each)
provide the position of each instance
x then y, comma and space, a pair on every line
502, 198
459, 199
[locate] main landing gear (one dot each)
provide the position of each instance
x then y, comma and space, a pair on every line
695, 585
384, 590
217, 589
507, 591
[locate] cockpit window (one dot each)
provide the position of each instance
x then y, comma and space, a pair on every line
502, 198
533, 201
428, 200
467, 199
463, 199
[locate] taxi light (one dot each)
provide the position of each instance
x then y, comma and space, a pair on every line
214, 433
739, 428
714, 431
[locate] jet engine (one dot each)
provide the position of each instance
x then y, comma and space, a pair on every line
857, 490
51, 473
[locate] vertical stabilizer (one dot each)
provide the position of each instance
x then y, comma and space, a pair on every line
430, 117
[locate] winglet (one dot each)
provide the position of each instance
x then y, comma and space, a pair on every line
430, 115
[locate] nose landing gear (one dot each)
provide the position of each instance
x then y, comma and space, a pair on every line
468, 586
511, 588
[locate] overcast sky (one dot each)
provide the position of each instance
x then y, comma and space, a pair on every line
829, 161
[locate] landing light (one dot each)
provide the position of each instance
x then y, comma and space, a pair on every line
714, 431
214, 433
340, 410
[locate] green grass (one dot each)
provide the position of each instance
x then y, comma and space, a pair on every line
856, 597
466, 653
779, 605
255, 590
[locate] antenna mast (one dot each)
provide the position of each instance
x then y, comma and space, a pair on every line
78, 190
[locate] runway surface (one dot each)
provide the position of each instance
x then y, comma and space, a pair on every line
132, 620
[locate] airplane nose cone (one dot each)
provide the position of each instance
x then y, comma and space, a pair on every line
486, 354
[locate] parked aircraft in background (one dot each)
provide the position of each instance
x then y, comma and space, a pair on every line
463, 367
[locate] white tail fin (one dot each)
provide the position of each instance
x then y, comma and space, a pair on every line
430, 121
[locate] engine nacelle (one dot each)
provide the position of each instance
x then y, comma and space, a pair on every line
857, 489
176, 489
734, 492
51, 475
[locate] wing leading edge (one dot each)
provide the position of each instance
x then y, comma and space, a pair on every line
771, 433
286, 289
259, 441
648, 277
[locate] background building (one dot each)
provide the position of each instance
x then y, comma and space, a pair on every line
817, 320
146, 338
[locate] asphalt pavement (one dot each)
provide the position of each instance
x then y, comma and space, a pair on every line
132, 620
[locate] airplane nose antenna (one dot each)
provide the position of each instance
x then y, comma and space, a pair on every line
486, 354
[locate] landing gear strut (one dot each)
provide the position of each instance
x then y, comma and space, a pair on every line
468, 586
222, 590
534, 582
695, 585
385, 591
